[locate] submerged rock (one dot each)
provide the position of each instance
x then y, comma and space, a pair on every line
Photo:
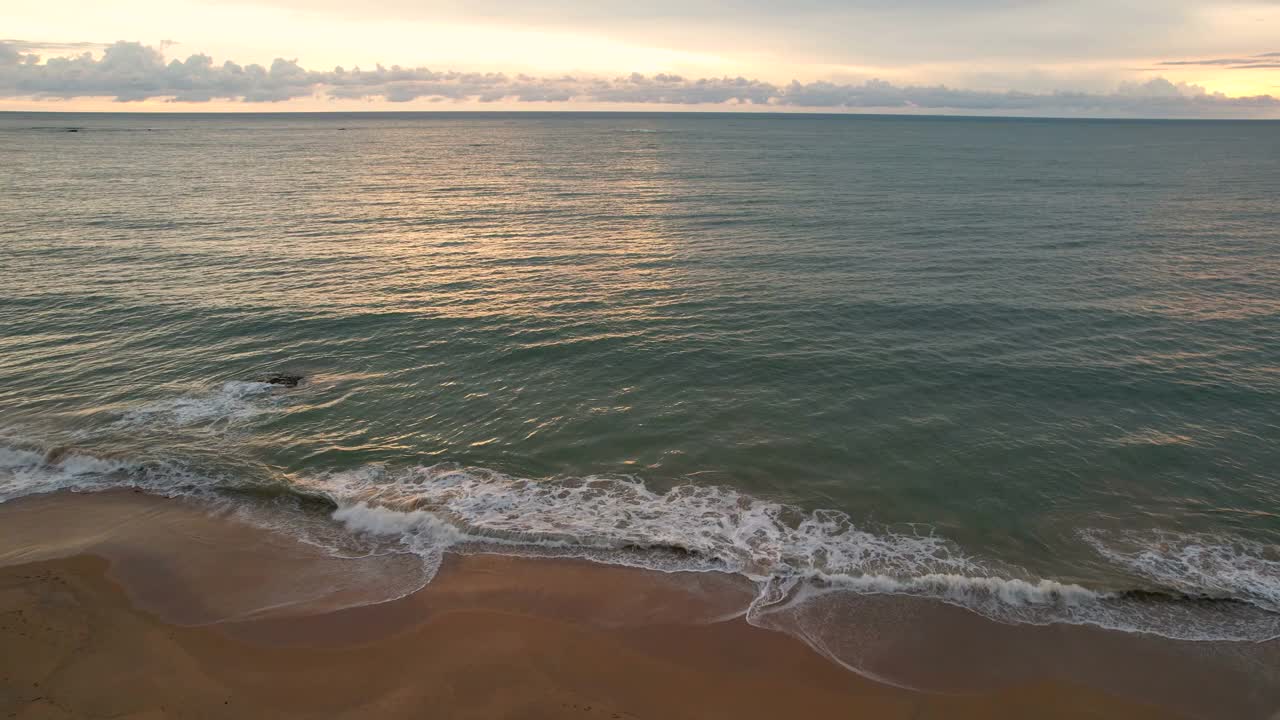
289, 381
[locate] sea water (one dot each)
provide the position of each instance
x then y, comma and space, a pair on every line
1029, 367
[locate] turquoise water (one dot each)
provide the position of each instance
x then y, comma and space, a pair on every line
924, 355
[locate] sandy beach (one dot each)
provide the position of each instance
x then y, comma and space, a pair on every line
107, 609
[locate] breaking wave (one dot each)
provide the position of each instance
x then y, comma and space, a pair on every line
26, 471
232, 402
1186, 587
1200, 566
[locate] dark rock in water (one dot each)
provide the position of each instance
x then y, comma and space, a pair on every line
289, 381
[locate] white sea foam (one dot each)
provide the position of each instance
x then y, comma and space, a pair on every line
422, 532
1206, 565
27, 468
717, 528
16, 458
793, 555
1043, 602
24, 471
233, 402
968, 590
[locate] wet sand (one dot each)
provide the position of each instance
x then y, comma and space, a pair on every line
123, 605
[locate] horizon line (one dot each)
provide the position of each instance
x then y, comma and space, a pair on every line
548, 111
711, 113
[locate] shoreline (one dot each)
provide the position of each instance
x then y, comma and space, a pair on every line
87, 652
121, 603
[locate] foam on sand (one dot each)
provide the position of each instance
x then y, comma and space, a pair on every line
794, 555
1186, 587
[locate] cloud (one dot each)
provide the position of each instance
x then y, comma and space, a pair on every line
1161, 88
33, 45
1253, 62
129, 71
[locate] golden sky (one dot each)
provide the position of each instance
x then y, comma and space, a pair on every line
994, 46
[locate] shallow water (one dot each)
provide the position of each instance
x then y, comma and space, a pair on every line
1030, 367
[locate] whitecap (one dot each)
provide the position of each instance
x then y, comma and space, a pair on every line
1197, 564
233, 402
782, 548
789, 552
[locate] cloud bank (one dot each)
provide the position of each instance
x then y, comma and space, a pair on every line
1253, 62
129, 71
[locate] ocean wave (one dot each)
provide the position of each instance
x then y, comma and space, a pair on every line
25, 471
232, 402
793, 555
716, 527
31, 471
1164, 613
1200, 566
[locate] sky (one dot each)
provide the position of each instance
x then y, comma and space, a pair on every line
1144, 58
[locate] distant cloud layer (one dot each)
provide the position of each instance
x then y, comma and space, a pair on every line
128, 71
1253, 62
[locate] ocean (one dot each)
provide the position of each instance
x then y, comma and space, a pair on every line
1026, 367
